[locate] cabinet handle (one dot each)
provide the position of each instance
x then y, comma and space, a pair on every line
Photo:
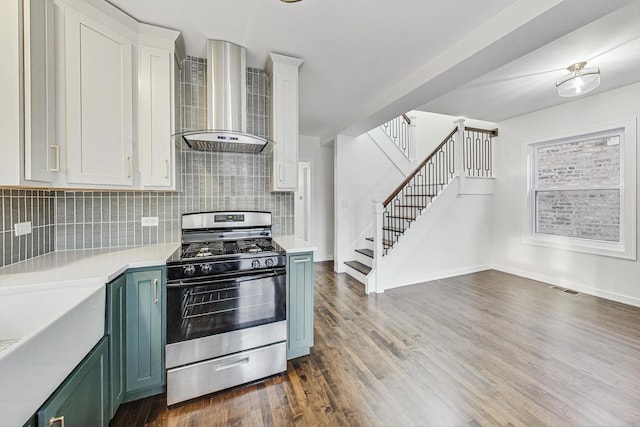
166, 169
280, 174
130, 161
301, 260
155, 291
56, 148
54, 420
231, 364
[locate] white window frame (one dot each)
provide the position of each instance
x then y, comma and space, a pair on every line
626, 247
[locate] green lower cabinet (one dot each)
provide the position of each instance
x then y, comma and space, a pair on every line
116, 323
83, 399
145, 333
299, 304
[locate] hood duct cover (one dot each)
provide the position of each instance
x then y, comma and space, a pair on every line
226, 102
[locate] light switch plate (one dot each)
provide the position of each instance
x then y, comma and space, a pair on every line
149, 221
22, 228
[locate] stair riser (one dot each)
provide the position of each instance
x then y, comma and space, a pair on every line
356, 275
369, 245
368, 261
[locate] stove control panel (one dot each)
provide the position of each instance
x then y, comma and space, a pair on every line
216, 267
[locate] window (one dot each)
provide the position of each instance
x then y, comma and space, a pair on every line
581, 192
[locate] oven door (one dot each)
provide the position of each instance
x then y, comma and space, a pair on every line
207, 306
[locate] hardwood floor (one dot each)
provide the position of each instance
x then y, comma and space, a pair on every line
485, 349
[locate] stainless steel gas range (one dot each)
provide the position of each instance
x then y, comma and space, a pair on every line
226, 304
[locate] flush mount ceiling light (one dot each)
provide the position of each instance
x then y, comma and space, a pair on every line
289, 1
580, 81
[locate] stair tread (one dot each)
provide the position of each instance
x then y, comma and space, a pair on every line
395, 230
358, 266
418, 195
385, 242
408, 206
365, 252
408, 218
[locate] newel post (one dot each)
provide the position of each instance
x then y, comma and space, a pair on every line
378, 214
412, 139
459, 153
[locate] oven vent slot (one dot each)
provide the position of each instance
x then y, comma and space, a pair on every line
565, 290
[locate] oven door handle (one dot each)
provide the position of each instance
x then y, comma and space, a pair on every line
210, 281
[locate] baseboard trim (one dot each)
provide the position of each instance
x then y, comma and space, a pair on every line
569, 285
440, 275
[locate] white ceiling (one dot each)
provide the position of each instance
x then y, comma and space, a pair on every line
365, 62
527, 84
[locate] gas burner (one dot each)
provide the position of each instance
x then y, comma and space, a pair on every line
201, 250
254, 245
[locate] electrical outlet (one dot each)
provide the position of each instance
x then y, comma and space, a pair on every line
23, 228
149, 221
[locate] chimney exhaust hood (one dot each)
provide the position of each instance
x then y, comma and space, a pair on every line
226, 102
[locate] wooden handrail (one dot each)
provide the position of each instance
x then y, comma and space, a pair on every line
492, 132
416, 170
406, 118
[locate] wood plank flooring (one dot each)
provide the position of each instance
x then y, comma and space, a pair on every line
484, 349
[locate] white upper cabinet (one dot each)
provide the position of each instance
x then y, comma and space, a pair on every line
283, 72
88, 95
27, 91
98, 103
158, 70
41, 153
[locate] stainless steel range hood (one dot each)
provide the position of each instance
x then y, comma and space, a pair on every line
226, 102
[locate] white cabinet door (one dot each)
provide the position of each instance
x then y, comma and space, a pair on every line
99, 98
155, 98
41, 153
283, 72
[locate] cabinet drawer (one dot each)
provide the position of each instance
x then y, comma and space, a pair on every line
217, 374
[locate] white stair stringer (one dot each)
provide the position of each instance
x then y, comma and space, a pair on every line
447, 239
392, 151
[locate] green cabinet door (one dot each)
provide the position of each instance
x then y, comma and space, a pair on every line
82, 399
116, 322
145, 301
299, 304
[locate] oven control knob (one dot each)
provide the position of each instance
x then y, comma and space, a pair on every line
269, 262
189, 270
206, 269
255, 263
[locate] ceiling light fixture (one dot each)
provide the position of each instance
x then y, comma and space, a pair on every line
289, 1
580, 81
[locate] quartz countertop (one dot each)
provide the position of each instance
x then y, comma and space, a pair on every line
294, 244
103, 265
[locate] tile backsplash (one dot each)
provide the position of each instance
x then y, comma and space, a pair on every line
68, 220
37, 207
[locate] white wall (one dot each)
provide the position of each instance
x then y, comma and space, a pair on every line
321, 217
362, 173
608, 277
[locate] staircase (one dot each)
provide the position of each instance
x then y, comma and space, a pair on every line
465, 152
362, 264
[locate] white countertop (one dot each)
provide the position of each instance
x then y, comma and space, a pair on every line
294, 244
102, 265
52, 312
